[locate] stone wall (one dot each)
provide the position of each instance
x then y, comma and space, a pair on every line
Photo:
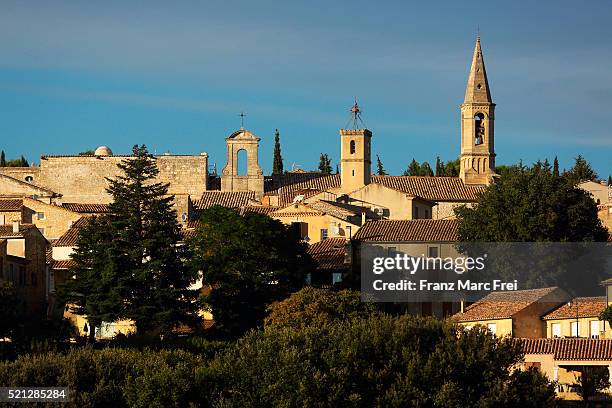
82, 179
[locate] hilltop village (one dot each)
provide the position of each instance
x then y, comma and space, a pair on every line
42, 209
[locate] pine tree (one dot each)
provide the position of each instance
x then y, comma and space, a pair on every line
325, 164
128, 262
581, 171
2, 159
439, 167
277, 165
380, 170
426, 170
556, 167
413, 169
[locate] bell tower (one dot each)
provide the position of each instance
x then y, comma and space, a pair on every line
477, 131
355, 154
242, 143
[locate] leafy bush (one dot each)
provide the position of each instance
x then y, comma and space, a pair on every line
380, 361
113, 377
311, 306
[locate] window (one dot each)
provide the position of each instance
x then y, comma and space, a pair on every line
29, 178
556, 330
427, 213
324, 234
352, 147
415, 213
1, 219
492, 327
432, 252
595, 329
575, 330
336, 278
40, 215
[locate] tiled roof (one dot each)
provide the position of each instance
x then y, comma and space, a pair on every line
6, 231
570, 348
432, 188
295, 214
335, 209
187, 233
423, 230
29, 184
62, 264
260, 209
229, 199
274, 182
329, 254
86, 208
70, 237
580, 307
10, 204
502, 305
308, 186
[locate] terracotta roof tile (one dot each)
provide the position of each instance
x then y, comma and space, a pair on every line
580, 307
295, 214
432, 188
63, 264
423, 230
570, 348
70, 237
10, 204
259, 209
6, 231
336, 209
329, 254
86, 208
502, 305
229, 199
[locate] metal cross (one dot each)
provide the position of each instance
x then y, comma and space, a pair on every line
242, 115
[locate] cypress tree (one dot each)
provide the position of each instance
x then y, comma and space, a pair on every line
439, 167
2, 159
610, 180
325, 164
128, 262
277, 165
426, 170
380, 170
556, 167
413, 169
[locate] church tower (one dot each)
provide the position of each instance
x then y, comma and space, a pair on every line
355, 155
242, 143
477, 131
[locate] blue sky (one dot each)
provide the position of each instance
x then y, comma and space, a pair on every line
175, 76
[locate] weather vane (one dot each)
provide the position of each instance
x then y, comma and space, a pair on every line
242, 115
356, 115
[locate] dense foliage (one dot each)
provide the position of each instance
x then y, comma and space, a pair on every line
277, 164
20, 162
128, 262
249, 262
317, 307
450, 168
531, 204
325, 166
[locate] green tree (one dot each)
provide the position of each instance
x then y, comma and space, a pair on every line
277, 165
610, 180
377, 361
413, 169
129, 264
312, 306
592, 381
2, 159
531, 205
425, 170
249, 261
21, 162
439, 167
87, 153
556, 167
325, 164
11, 310
380, 170
581, 171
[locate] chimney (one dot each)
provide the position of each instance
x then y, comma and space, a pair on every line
15, 226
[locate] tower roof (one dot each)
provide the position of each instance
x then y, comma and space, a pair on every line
478, 86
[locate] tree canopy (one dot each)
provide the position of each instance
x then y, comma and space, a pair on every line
277, 164
249, 262
380, 170
580, 171
325, 166
128, 262
531, 204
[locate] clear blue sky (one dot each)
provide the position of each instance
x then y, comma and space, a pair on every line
175, 75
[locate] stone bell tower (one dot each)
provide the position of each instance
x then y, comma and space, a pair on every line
231, 180
477, 131
355, 154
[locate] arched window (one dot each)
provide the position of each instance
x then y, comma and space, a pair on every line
29, 178
352, 147
242, 163
479, 129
